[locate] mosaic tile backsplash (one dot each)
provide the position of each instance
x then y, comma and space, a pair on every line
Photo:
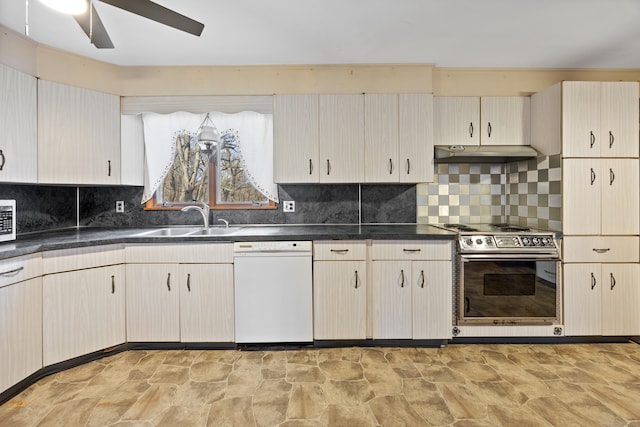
526, 192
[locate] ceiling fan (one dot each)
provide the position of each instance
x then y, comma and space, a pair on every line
91, 24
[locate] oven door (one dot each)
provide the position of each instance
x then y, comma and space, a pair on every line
509, 290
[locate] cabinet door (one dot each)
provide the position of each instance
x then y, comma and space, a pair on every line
620, 184
341, 138
339, 300
83, 312
431, 285
415, 155
619, 119
153, 302
78, 135
581, 192
391, 283
18, 115
381, 138
206, 303
20, 331
456, 120
295, 144
620, 299
581, 119
582, 299
505, 120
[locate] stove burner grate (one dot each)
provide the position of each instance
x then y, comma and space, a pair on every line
503, 226
460, 227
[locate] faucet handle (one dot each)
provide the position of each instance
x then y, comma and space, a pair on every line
226, 223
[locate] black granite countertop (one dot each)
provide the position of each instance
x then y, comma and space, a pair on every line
82, 237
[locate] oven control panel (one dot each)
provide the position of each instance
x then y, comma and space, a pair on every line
510, 241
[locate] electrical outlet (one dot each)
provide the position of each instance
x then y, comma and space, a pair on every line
288, 206
120, 206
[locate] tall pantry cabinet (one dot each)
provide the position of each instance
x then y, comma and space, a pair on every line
598, 138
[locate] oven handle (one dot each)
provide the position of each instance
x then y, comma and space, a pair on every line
503, 257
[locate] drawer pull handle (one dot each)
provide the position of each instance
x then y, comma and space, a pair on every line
340, 251
411, 250
593, 281
471, 130
402, 278
3, 160
422, 278
613, 281
612, 176
15, 270
592, 139
113, 284
601, 250
593, 176
169, 281
611, 139
489, 130
357, 279
189, 282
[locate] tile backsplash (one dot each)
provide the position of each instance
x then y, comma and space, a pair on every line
526, 192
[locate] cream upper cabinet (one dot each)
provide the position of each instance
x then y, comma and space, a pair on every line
398, 138
83, 312
341, 138
505, 120
18, 118
78, 135
456, 120
296, 150
601, 299
600, 119
600, 196
492, 120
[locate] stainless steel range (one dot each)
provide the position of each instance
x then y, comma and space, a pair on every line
508, 275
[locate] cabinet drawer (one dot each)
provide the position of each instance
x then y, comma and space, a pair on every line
600, 249
17, 269
194, 253
332, 250
411, 250
81, 258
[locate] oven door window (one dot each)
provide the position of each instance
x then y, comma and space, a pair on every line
509, 289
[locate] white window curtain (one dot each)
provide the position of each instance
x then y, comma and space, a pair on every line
255, 131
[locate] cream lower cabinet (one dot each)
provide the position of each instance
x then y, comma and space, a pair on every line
20, 319
83, 312
602, 299
339, 290
169, 299
411, 290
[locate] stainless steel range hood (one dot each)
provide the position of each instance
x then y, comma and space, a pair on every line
483, 153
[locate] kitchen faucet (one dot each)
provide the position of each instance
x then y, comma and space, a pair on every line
226, 223
203, 208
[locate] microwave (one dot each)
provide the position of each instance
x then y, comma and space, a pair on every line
7, 220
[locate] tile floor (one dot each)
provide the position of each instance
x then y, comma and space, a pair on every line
461, 385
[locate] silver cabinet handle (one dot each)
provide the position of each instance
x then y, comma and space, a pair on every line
612, 176
15, 270
3, 160
113, 284
411, 250
422, 278
408, 167
340, 251
593, 281
592, 139
189, 282
169, 281
402, 278
310, 167
601, 250
357, 280
611, 139
593, 176
390, 166
471, 130
613, 281
328, 167
489, 129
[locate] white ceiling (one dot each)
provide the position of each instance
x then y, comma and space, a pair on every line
447, 33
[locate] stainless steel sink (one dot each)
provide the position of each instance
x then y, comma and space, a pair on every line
189, 232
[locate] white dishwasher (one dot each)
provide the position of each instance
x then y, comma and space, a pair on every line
273, 292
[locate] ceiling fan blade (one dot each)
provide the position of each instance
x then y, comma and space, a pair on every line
98, 34
161, 14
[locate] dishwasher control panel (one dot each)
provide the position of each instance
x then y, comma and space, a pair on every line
271, 246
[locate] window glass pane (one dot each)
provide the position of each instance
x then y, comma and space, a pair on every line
232, 182
188, 177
